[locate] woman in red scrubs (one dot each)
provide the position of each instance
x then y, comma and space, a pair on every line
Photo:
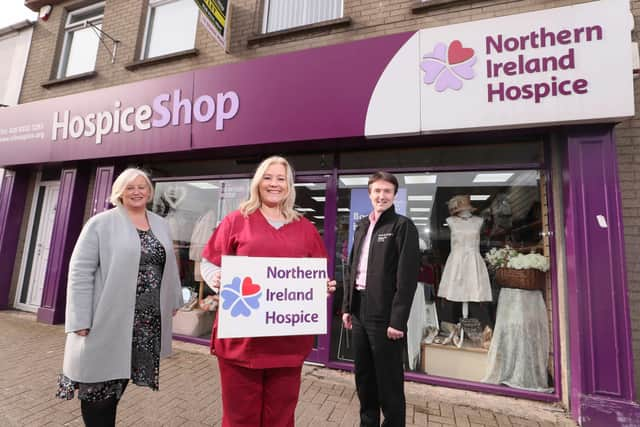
260, 377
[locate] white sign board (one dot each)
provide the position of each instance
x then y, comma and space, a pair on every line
262, 297
556, 66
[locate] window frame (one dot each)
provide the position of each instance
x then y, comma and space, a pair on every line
69, 28
336, 357
151, 4
265, 18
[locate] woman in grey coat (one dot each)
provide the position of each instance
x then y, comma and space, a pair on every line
123, 289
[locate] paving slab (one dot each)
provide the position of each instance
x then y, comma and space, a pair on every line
189, 395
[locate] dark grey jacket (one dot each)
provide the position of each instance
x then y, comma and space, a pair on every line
392, 269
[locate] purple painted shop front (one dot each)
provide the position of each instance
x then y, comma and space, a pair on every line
315, 95
294, 97
602, 389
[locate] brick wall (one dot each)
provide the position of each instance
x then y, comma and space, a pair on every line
123, 21
628, 143
370, 18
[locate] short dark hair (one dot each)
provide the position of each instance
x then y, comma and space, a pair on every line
384, 176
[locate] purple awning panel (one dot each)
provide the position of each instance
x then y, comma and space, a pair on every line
311, 94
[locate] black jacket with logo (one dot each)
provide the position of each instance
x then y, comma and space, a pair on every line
392, 268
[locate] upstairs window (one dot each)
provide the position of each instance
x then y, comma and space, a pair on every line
284, 14
171, 27
80, 45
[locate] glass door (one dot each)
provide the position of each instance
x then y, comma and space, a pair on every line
39, 242
316, 202
193, 210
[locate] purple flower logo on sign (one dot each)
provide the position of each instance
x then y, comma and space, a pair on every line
240, 296
448, 66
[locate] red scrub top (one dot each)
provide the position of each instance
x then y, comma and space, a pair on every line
254, 236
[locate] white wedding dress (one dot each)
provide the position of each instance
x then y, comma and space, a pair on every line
465, 276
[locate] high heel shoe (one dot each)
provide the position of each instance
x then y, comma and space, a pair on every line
449, 337
458, 338
487, 335
432, 332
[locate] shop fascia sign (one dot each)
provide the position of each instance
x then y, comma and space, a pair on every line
497, 69
554, 66
165, 109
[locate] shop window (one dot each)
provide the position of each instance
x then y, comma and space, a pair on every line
193, 210
81, 41
170, 28
285, 14
470, 320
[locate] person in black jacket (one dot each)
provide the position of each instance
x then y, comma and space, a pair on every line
384, 265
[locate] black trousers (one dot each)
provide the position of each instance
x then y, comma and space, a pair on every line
379, 369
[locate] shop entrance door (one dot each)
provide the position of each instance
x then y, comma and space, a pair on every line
311, 201
34, 260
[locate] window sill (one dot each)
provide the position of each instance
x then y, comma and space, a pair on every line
74, 78
423, 6
161, 59
283, 34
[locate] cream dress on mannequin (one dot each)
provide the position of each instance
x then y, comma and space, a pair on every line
465, 276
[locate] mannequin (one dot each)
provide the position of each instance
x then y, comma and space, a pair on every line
174, 196
465, 277
203, 229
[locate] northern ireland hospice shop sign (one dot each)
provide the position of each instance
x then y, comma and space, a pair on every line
272, 297
555, 66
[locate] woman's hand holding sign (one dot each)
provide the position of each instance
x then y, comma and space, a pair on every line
216, 281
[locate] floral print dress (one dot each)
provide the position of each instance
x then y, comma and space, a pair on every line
145, 346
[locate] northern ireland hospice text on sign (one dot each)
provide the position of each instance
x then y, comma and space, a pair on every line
272, 297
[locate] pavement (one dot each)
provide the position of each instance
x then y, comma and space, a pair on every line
31, 358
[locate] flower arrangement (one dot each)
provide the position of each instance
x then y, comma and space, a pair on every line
508, 257
535, 261
499, 258
516, 270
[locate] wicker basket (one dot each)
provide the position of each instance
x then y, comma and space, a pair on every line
528, 279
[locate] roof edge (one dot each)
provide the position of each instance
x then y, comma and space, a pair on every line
18, 26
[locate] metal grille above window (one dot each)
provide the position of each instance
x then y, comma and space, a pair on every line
284, 14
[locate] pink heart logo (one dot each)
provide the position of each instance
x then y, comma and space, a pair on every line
249, 288
457, 53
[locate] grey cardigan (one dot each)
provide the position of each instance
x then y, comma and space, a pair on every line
101, 296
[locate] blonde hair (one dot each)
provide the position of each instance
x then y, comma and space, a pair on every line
286, 207
123, 180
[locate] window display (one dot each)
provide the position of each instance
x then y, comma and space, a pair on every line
479, 312
193, 210
465, 277
519, 354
